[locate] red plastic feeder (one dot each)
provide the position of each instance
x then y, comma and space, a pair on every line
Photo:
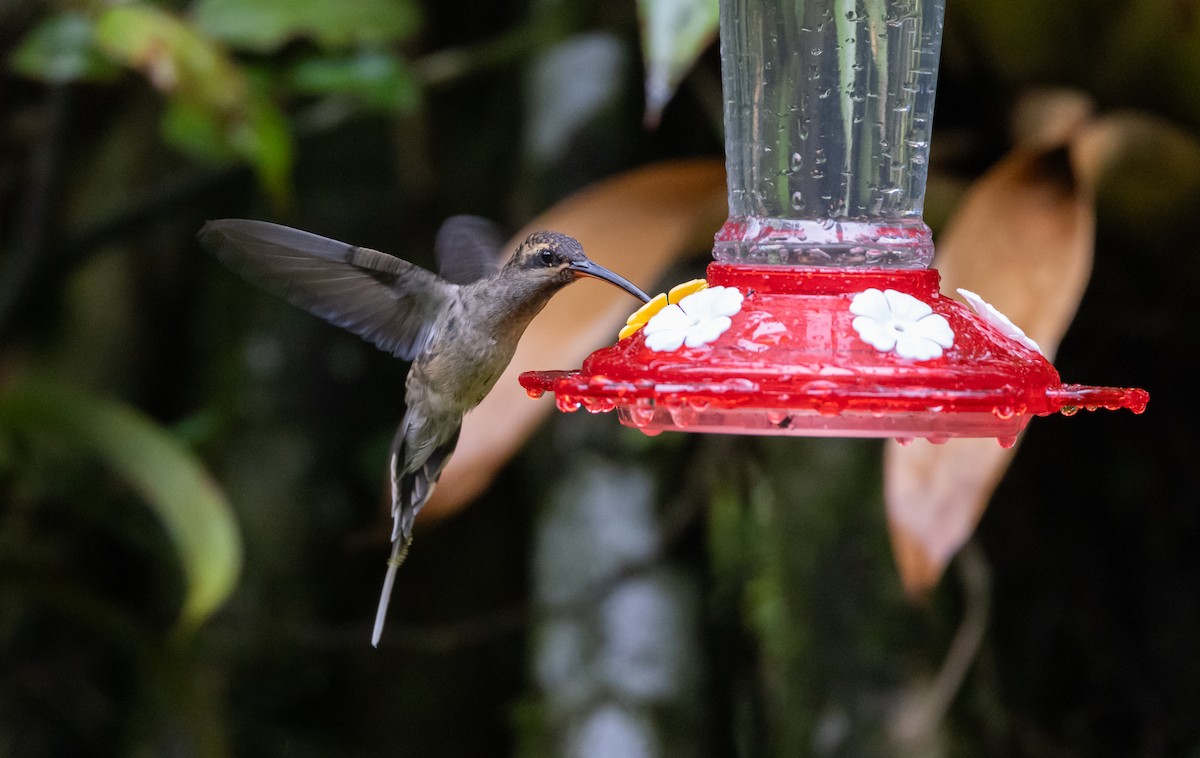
841, 329
792, 363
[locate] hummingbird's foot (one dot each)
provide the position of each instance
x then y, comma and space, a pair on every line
401, 552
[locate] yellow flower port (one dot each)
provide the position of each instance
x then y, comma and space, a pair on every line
657, 303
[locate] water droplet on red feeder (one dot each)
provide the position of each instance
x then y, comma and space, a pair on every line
639, 414
698, 403
567, 403
684, 415
598, 404
776, 416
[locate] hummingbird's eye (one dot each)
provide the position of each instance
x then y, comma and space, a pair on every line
548, 257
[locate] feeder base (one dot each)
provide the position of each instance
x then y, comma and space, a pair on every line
793, 363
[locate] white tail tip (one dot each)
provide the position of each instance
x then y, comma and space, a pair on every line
399, 553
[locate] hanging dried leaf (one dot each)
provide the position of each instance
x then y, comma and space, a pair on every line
1048, 118
1023, 239
636, 224
1147, 170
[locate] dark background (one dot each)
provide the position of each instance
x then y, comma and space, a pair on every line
794, 635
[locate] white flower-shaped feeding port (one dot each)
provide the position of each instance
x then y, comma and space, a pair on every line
894, 322
988, 313
696, 320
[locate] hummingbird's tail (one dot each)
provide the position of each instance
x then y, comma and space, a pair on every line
412, 484
399, 553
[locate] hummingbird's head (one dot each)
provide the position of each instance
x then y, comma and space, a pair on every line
558, 259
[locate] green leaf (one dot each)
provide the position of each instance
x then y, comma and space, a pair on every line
60, 50
196, 130
263, 26
377, 79
174, 57
212, 109
263, 138
194, 512
674, 33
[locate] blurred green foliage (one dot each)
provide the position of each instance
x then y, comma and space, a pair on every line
128, 361
216, 108
261, 26
194, 513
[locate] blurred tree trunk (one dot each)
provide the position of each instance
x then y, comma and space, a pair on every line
812, 647
616, 649
838, 662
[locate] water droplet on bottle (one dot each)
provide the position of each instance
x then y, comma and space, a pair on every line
797, 201
797, 161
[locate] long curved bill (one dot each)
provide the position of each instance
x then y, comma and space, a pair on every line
595, 270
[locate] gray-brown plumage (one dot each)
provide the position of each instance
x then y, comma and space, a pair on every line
459, 329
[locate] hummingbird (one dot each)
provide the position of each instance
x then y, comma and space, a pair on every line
459, 328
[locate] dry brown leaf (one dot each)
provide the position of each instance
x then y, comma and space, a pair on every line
1048, 118
1023, 239
1147, 170
637, 224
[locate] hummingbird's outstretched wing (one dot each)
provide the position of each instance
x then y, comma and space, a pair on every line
381, 298
468, 248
